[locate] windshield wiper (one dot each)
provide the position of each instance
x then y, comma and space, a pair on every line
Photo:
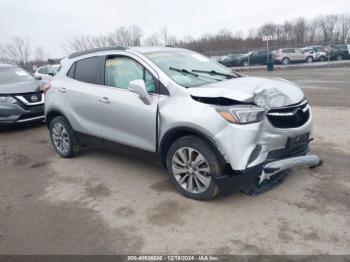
185, 71
213, 72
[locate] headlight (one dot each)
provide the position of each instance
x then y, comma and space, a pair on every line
7, 99
241, 114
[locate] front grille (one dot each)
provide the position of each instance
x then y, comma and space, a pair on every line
30, 99
291, 116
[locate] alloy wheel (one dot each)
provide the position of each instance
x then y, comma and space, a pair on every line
191, 170
60, 138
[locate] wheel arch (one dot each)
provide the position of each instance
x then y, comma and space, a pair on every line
51, 114
175, 133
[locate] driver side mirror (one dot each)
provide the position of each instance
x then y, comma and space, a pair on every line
38, 78
139, 87
51, 74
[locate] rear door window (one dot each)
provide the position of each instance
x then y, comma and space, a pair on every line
87, 70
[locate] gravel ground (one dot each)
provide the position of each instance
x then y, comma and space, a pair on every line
105, 203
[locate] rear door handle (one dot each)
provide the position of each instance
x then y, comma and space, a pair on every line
105, 100
63, 90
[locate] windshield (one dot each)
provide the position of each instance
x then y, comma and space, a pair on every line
188, 68
14, 75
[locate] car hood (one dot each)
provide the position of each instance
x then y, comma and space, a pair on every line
21, 87
268, 93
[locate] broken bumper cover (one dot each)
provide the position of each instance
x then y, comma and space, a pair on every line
275, 167
232, 181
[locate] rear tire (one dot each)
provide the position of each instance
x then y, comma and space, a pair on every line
62, 138
322, 58
285, 61
339, 57
191, 164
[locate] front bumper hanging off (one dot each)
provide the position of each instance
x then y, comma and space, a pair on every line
275, 167
231, 181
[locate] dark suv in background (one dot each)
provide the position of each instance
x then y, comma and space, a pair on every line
21, 98
256, 57
338, 52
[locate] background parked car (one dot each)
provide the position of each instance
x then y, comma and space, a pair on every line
45, 73
320, 52
21, 98
256, 57
230, 60
338, 52
292, 55
56, 67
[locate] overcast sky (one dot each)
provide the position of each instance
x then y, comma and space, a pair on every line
50, 23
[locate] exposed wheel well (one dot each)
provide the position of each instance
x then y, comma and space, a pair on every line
51, 115
171, 136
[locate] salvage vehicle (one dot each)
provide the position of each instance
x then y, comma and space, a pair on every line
292, 55
213, 130
320, 52
21, 98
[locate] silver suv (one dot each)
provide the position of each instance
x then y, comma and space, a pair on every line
292, 55
213, 130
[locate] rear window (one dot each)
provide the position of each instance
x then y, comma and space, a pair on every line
86, 70
14, 75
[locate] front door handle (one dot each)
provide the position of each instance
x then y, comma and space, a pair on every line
105, 100
62, 90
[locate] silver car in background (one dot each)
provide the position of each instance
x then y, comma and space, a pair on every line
45, 73
212, 129
286, 56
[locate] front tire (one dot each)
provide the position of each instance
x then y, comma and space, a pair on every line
309, 59
339, 57
191, 164
63, 138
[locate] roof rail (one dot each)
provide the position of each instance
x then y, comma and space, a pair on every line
77, 54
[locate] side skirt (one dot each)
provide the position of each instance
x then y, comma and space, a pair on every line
132, 152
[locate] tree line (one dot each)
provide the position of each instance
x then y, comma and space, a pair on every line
325, 29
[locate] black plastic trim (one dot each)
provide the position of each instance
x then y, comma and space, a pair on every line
183, 131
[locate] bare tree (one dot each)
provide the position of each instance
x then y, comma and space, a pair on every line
300, 30
153, 40
39, 54
136, 34
126, 36
328, 25
324, 29
344, 24
17, 51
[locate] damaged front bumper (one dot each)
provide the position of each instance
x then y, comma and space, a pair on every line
275, 167
231, 180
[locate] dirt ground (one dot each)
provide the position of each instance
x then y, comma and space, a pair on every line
105, 203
